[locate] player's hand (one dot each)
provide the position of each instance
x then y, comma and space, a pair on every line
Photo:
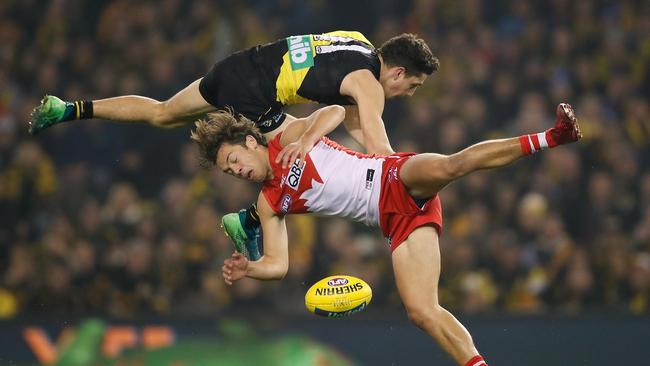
294, 151
234, 268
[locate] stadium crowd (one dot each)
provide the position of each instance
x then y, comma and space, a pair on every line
117, 220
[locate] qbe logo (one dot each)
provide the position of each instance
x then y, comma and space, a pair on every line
295, 173
339, 281
286, 203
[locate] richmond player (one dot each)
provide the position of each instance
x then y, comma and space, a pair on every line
340, 67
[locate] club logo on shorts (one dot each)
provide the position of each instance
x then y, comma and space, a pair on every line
392, 174
266, 123
300, 52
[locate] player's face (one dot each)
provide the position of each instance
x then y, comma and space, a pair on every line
402, 85
244, 162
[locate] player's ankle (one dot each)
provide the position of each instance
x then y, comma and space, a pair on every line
83, 109
252, 220
476, 361
535, 142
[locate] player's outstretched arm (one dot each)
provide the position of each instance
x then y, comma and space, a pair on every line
301, 135
369, 97
275, 262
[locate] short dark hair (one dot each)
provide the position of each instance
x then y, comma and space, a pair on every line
223, 126
410, 52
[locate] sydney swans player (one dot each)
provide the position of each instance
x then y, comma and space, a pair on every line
397, 192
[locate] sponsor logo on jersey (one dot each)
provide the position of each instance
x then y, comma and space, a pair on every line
286, 203
295, 174
339, 281
300, 52
370, 173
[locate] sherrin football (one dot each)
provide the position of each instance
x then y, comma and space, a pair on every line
338, 296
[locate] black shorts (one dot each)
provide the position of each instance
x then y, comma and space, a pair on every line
239, 82
271, 120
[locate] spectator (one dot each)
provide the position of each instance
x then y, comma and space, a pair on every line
120, 220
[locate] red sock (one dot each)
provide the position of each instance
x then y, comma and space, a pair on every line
476, 361
535, 142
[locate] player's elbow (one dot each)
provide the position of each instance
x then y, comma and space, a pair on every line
163, 117
280, 271
277, 268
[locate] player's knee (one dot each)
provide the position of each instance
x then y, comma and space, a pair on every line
444, 169
452, 167
337, 110
424, 315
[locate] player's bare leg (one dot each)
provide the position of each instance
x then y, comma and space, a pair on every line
416, 263
184, 107
426, 174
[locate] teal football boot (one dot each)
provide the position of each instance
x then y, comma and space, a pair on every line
245, 239
51, 111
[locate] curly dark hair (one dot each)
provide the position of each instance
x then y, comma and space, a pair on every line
410, 52
223, 126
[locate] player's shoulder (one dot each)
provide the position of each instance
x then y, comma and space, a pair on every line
292, 132
276, 141
360, 81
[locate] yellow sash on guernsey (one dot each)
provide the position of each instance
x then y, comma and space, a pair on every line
300, 58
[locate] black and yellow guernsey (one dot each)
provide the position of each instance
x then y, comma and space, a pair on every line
258, 81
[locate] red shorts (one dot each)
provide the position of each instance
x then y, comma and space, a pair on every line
399, 215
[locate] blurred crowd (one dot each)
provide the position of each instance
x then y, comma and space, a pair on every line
120, 220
